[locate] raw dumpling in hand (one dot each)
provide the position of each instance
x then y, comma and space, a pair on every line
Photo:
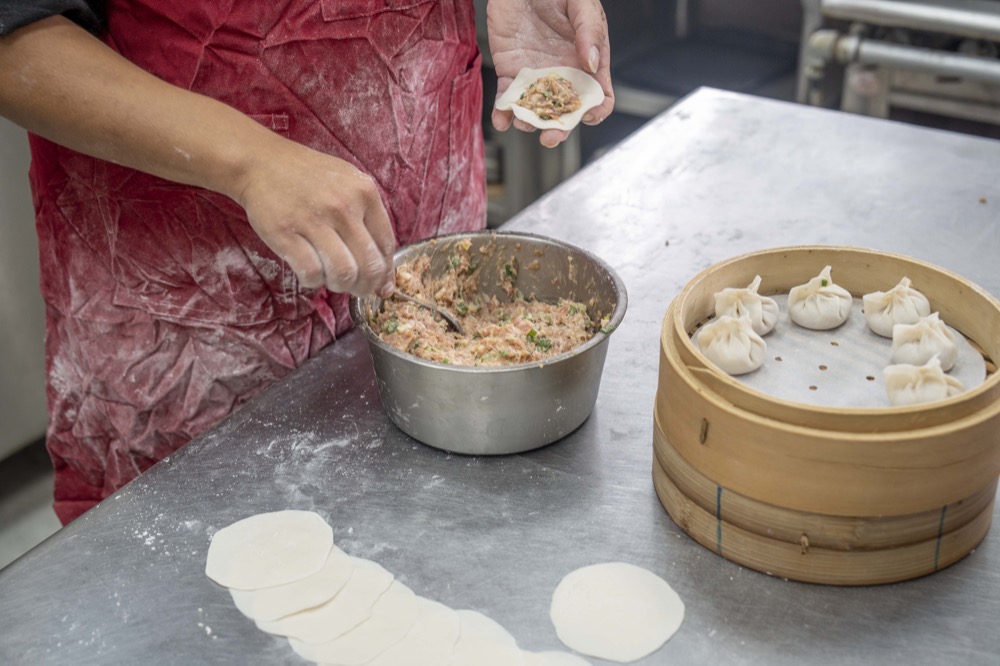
900, 305
916, 384
762, 311
731, 344
819, 304
918, 343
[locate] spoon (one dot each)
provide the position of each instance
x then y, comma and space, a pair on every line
447, 316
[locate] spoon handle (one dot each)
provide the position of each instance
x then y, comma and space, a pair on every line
447, 316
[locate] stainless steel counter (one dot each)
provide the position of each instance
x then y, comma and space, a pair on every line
719, 175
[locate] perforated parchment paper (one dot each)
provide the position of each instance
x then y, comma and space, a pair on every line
841, 367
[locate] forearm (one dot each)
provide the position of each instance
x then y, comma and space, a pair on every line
316, 211
59, 82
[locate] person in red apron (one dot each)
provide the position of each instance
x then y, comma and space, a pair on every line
200, 229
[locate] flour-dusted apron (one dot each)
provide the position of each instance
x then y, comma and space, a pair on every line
164, 309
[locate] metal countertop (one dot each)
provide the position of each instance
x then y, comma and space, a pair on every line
718, 175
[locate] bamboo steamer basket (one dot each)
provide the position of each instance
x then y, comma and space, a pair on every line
834, 495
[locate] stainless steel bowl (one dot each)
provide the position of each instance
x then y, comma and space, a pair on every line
499, 410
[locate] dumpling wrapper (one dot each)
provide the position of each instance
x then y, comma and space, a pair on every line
272, 603
762, 310
819, 304
392, 618
486, 652
918, 343
352, 606
431, 641
616, 611
590, 92
478, 626
553, 658
732, 344
269, 549
484, 642
908, 384
900, 305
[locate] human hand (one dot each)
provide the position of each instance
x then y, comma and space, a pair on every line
548, 33
323, 217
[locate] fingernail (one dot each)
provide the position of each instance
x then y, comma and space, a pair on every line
593, 59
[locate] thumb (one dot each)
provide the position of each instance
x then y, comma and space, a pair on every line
590, 28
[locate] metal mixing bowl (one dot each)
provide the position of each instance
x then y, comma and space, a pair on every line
507, 409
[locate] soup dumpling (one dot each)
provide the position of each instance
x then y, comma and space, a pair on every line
918, 343
908, 384
731, 343
900, 305
746, 302
819, 304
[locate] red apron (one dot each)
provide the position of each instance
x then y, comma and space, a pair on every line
164, 310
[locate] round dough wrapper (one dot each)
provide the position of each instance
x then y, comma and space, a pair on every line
486, 652
244, 603
269, 549
553, 658
392, 617
615, 611
590, 92
352, 606
431, 641
272, 603
476, 625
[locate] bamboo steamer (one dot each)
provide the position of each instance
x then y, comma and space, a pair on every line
844, 496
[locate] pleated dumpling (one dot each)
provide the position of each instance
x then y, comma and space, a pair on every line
746, 302
732, 344
908, 384
918, 343
900, 305
819, 304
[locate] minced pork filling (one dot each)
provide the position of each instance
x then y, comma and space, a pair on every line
497, 332
550, 97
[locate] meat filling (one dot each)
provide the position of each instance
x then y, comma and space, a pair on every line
550, 96
497, 332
